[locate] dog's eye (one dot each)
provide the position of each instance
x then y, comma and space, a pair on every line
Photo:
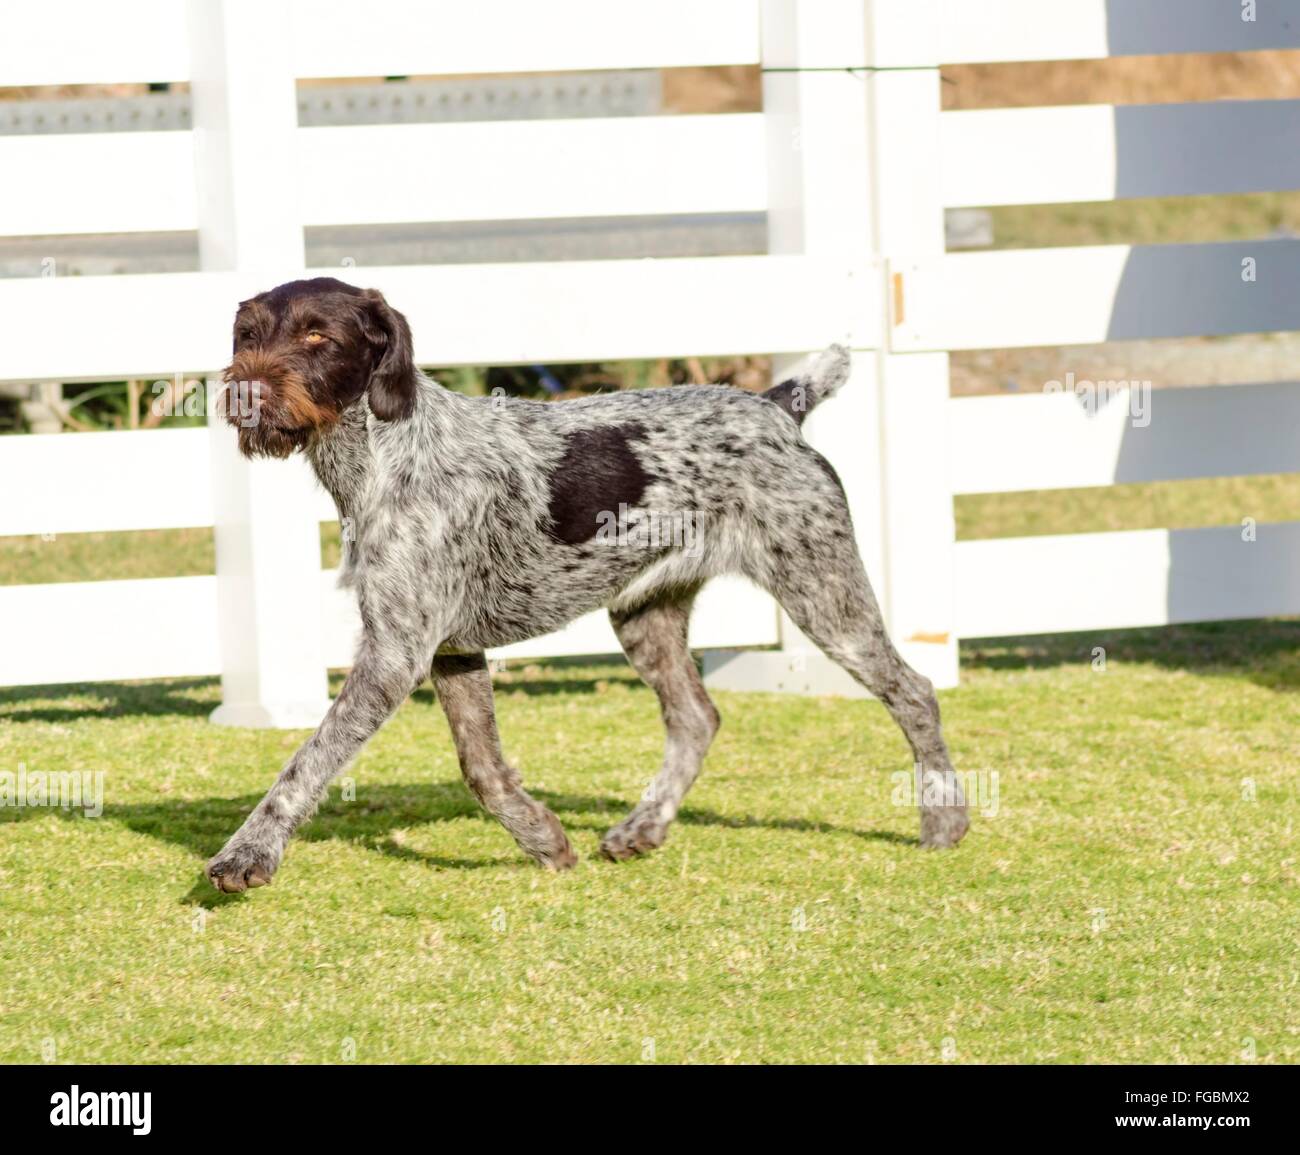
246, 334
314, 337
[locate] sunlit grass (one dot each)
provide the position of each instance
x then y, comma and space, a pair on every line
1130, 896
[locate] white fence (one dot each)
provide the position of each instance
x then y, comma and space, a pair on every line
854, 171
1080, 296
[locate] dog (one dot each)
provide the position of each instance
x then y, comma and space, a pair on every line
477, 522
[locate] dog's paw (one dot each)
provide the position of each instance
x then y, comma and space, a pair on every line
241, 866
942, 827
633, 837
539, 834
561, 858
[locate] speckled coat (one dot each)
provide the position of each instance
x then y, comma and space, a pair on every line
477, 522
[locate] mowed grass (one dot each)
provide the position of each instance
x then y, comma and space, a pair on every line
1129, 896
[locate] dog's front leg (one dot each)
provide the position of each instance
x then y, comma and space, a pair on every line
380, 681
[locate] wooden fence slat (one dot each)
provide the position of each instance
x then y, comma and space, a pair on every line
127, 41
978, 31
46, 643
88, 482
1102, 152
460, 314
500, 170
1084, 296
145, 40
99, 182
402, 173
1094, 581
1066, 440
424, 37
146, 628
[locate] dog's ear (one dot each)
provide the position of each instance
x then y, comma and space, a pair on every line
392, 381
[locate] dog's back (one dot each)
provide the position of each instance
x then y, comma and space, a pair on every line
553, 509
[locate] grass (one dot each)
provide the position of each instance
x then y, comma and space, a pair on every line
1148, 221
151, 553
1150, 505
1132, 899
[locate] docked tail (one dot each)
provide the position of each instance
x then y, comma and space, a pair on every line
803, 392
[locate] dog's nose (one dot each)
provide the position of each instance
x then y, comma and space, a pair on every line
244, 397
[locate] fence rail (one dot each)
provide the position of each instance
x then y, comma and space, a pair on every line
1096, 581
108, 631
148, 325
648, 164
1065, 440
1085, 296
396, 38
1027, 156
990, 31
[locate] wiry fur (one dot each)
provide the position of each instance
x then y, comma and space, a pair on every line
467, 517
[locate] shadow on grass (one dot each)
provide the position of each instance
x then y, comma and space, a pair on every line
202, 826
1266, 653
176, 697
109, 700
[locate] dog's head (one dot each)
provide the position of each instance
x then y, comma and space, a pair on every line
305, 352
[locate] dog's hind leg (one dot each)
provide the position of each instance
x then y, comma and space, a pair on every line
810, 564
464, 689
653, 636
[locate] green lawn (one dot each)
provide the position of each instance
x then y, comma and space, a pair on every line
1132, 899
1130, 896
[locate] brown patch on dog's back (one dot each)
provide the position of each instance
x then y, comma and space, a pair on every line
597, 473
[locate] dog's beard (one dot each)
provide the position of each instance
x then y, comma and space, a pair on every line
257, 436
262, 440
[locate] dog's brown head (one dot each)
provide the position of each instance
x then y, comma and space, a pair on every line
307, 350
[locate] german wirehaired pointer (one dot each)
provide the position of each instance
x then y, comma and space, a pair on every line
477, 522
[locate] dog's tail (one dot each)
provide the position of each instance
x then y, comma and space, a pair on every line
799, 395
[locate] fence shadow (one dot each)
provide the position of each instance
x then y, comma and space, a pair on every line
109, 700
1135, 29
176, 696
1182, 290
1266, 653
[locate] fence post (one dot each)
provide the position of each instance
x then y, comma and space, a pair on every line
908, 222
267, 536
819, 205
